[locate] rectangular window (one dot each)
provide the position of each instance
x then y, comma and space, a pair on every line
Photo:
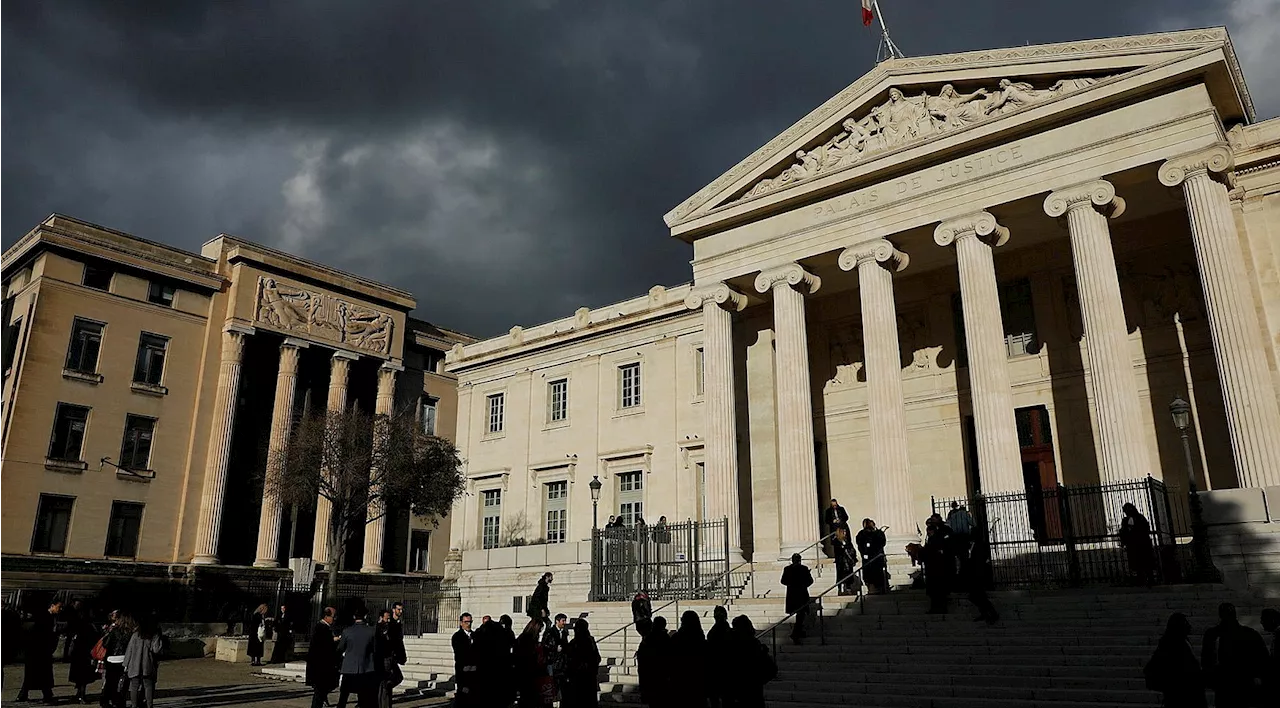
69, 424
496, 406
699, 372
629, 385
1019, 318
122, 531
97, 277
630, 497
491, 513
149, 368
53, 519
11, 332
160, 294
557, 496
419, 550
558, 400
86, 343
427, 415
135, 450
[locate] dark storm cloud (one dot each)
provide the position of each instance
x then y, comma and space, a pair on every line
507, 162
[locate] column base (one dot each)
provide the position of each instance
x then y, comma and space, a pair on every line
266, 563
204, 560
371, 569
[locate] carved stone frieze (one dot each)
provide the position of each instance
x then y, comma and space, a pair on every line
903, 120
917, 350
322, 316
846, 355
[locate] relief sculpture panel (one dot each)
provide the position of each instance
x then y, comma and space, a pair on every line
322, 316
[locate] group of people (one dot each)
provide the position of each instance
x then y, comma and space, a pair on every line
124, 653
361, 660
954, 558
1234, 662
262, 627
846, 549
727, 666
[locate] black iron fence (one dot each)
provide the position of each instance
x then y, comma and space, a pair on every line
1071, 535
666, 561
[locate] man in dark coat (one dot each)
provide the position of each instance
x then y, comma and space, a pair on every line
1235, 659
540, 603
41, 642
836, 517
719, 646
1135, 538
465, 666
871, 543
359, 667
797, 579
750, 666
653, 661
322, 659
939, 565
395, 646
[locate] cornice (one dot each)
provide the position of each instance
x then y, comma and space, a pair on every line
238, 250
115, 248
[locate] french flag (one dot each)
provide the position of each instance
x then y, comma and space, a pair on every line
868, 12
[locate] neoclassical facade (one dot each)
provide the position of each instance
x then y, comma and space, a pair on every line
990, 271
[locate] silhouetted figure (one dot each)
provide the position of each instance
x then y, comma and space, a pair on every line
42, 640
846, 560
653, 659
501, 662
582, 669
1135, 538
871, 543
642, 613
537, 688
973, 577
259, 631
719, 646
322, 659
141, 662
465, 667
554, 642
797, 579
836, 517
750, 666
539, 604
960, 522
1271, 623
1235, 659
282, 629
81, 636
1173, 669
359, 668
385, 656
689, 657
939, 564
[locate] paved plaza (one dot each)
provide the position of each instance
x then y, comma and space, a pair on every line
200, 682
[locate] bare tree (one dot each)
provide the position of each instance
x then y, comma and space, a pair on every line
363, 465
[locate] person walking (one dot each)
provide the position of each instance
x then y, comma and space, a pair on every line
836, 517
392, 656
42, 640
653, 662
1173, 670
465, 666
282, 629
582, 669
114, 643
719, 645
797, 579
642, 613
322, 659
750, 666
1235, 659
540, 603
846, 561
141, 661
689, 660
871, 543
1135, 539
259, 631
82, 635
939, 564
359, 668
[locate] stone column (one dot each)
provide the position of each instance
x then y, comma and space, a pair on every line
338, 371
1253, 414
999, 461
876, 261
375, 531
798, 472
281, 421
219, 451
718, 303
1122, 441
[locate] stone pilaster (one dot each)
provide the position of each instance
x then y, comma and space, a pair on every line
718, 303
975, 235
1122, 441
219, 451
798, 493
1253, 414
876, 261
338, 372
375, 531
281, 421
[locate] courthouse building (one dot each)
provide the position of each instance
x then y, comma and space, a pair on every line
144, 387
987, 271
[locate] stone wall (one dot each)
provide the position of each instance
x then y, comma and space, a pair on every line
491, 579
1244, 537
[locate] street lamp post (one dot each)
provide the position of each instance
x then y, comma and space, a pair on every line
1181, 412
595, 501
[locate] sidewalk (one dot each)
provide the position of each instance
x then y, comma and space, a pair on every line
199, 682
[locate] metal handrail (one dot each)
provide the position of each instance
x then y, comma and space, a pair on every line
774, 627
676, 601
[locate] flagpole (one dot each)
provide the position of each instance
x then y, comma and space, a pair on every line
887, 49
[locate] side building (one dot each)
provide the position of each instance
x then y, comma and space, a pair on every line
144, 386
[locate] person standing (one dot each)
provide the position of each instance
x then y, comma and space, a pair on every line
846, 561
750, 666
871, 543
282, 629
1235, 659
540, 603
81, 638
141, 661
41, 642
653, 662
465, 666
836, 517
537, 689
259, 631
582, 669
322, 659
939, 564
797, 579
115, 643
359, 667
393, 636
719, 646
554, 643
1173, 669
689, 660
1135, 539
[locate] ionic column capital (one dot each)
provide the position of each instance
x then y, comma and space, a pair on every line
980, 223
1215, 160
792, 275
1099, 195
879, 251
719, 293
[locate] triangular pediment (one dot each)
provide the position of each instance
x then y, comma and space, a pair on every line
904, 103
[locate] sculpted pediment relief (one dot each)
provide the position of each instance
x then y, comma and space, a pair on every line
322, 316
904, 119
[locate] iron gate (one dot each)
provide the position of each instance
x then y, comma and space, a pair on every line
667, 561
1069, 535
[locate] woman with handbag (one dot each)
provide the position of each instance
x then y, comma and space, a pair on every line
114, 683
258, 634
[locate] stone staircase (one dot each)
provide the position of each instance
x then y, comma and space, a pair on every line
428, 671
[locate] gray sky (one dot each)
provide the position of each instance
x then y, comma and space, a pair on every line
507, 162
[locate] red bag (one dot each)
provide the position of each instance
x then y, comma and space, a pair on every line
99, 651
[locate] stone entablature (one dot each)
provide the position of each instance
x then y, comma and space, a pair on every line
323, 316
